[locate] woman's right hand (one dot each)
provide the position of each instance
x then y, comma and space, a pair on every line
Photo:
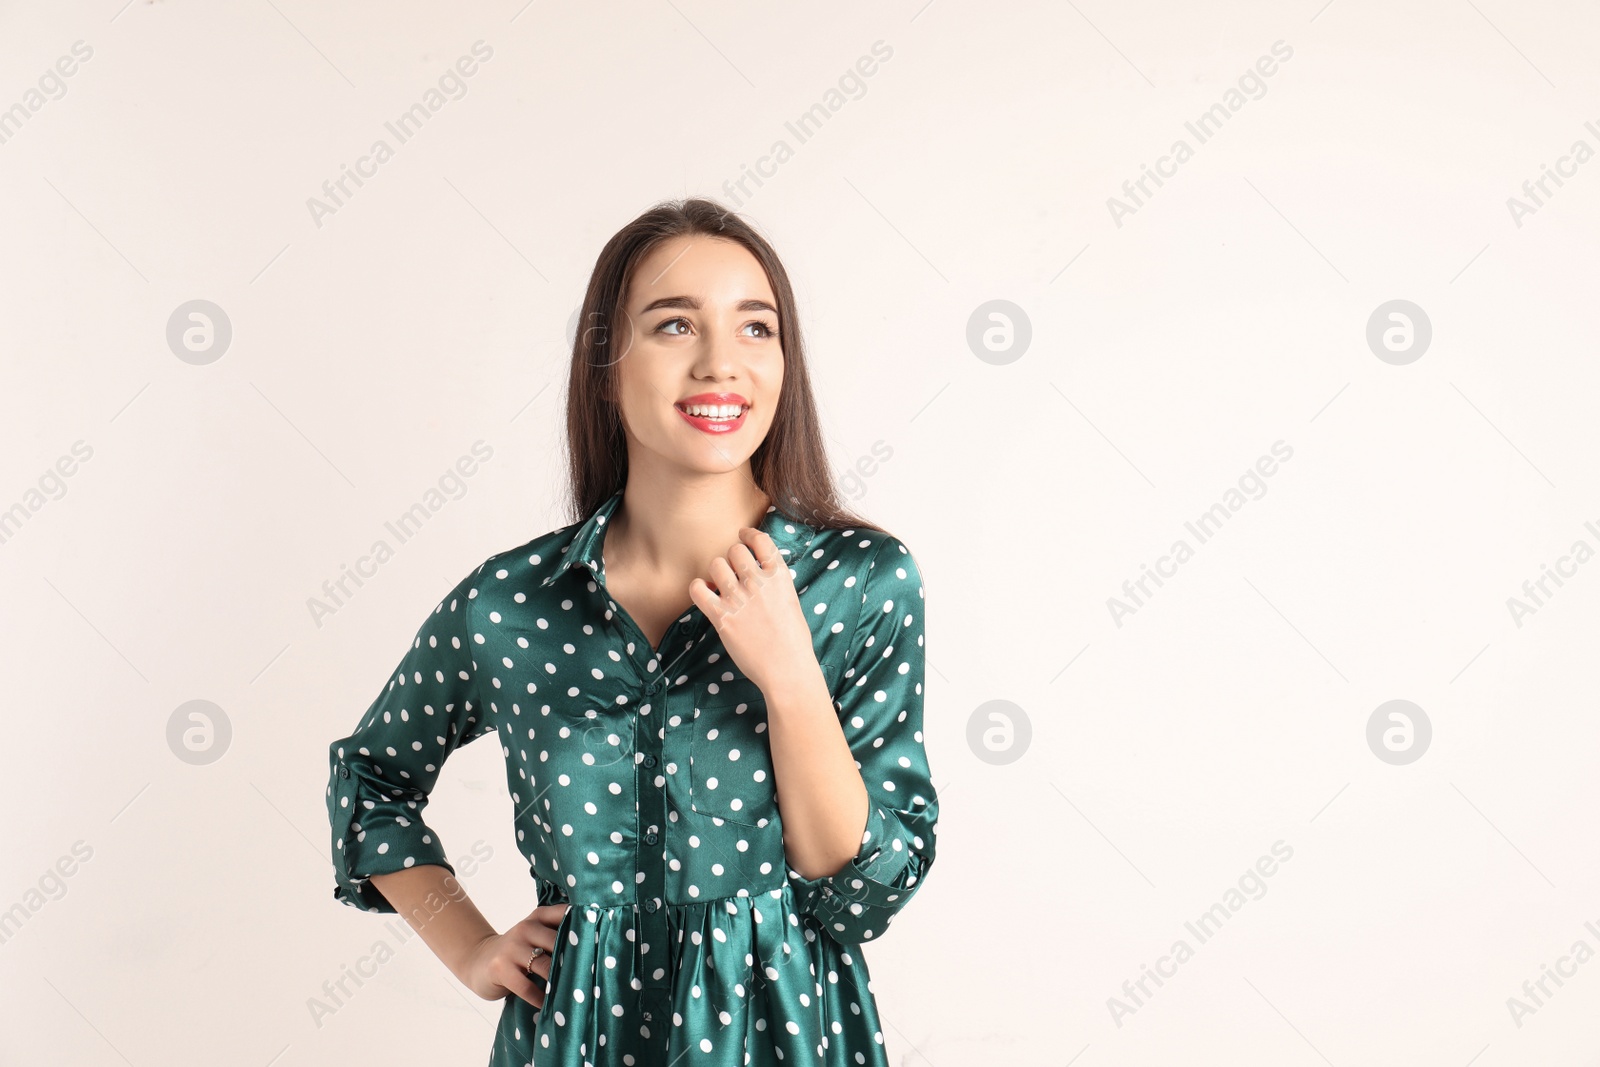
497, 965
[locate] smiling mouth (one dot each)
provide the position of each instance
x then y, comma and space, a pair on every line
714, 413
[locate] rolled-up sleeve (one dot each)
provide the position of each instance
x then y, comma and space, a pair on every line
880, 709
380, 775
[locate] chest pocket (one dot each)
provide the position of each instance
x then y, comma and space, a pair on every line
730, 762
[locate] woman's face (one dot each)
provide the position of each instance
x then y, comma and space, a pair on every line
700, 363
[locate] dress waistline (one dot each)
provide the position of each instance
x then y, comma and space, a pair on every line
548, 892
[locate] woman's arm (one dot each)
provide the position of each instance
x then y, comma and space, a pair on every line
381, 776
437, 907
823, 763
386, 857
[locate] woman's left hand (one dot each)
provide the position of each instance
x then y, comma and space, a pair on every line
757, 612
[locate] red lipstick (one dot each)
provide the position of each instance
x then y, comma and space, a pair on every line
711, 423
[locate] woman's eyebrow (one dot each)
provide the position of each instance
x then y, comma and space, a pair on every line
693, 304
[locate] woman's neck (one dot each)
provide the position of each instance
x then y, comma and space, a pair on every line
674, 526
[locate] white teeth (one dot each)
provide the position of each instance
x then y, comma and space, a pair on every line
714, 411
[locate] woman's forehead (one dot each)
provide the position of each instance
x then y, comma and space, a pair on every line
702, 269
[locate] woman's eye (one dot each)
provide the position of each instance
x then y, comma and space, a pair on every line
766, 328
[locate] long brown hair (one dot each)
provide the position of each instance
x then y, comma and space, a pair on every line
790, 465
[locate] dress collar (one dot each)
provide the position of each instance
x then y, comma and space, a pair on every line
790, 535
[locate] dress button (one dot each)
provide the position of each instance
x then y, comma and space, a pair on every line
649, 761
650, 838
648, 1016
344, 772
650, 905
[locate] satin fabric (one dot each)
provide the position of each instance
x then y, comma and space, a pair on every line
644, 797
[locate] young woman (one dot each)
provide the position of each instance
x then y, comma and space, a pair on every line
708, 692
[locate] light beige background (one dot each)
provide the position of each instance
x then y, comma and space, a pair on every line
1168, 353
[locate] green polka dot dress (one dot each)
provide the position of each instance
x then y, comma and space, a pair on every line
642, 786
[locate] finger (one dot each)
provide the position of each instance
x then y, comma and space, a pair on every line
763, 548
540, 967
529, 989
532, 936
531, 949
706, 600
729, 588
548, 933
743, 562
547, 914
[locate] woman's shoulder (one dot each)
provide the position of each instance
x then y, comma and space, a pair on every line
862, 548
867, 539
521, 568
